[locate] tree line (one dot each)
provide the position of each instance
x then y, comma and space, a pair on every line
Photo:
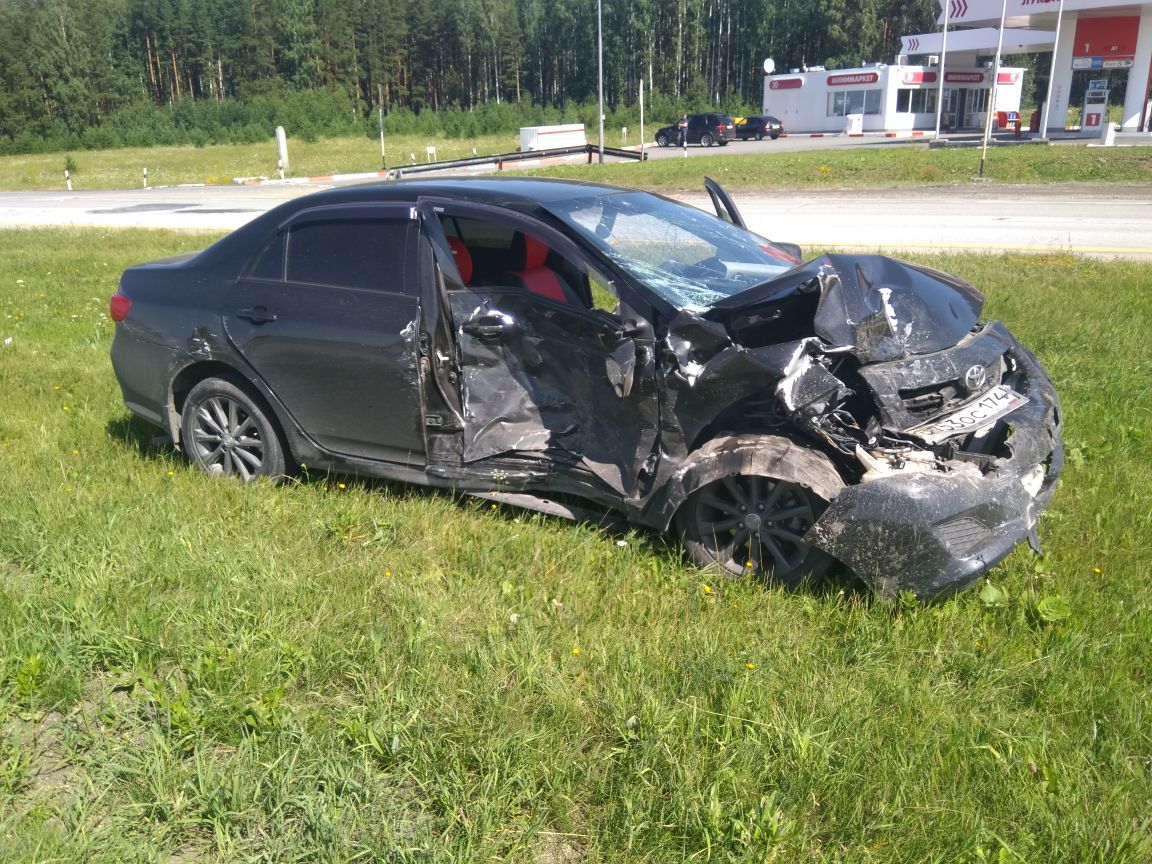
104, 73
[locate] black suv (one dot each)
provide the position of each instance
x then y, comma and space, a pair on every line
703, 129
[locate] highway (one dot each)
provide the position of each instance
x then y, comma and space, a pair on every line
1107, 220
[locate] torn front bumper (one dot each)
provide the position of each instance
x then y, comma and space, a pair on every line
933, 532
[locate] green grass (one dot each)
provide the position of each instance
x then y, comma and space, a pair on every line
750, 165
194, 670
215, 165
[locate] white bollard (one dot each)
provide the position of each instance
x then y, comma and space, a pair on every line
67, 180
145, 178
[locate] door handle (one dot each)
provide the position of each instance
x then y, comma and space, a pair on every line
490, 326
257, 315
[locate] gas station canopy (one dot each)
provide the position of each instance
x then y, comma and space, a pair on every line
982, 40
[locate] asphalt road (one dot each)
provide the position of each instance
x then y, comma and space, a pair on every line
1103, 220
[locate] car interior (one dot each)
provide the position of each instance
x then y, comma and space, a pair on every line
491, 254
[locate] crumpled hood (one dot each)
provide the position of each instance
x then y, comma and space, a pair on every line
876, 307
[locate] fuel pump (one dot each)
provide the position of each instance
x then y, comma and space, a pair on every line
1095, 112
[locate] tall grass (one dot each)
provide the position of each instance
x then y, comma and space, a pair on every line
334, 670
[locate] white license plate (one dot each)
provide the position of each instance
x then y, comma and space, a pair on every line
977, 414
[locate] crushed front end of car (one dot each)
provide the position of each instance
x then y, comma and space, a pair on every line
946, 430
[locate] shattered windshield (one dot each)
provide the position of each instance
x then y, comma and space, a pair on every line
687, 256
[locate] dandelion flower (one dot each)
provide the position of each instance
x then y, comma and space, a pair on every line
341, 486
575, 650
749, 665
707, 589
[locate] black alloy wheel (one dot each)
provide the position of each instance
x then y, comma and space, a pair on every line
226, 433
751, 525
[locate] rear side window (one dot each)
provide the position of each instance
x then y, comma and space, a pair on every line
369, 254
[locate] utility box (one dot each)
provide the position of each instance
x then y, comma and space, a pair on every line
549, 137
854, 124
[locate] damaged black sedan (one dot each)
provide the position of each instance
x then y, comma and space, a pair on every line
576, 348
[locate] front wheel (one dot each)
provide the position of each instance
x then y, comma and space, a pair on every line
662, 140
752, 525
706, 140
225, 432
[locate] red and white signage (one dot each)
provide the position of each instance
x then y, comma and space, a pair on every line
911, 77
785, 83
1007, 77
1109, 38
853, 80
963, 77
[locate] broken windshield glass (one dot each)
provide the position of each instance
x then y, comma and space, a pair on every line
688, 257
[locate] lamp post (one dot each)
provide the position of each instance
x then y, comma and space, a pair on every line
600, 71
992, 90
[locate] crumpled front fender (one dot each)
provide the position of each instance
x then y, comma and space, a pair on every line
765, 455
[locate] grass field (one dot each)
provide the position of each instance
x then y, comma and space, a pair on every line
742, 165
332, 670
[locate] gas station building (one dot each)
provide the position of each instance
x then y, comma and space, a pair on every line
1099, 40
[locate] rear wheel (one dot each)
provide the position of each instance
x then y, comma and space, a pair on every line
706, 139
775, 135
662, 140
752, 525
226, 432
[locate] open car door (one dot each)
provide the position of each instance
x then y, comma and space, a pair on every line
727, 210
548, 385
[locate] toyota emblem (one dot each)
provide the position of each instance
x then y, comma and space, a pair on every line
975, 377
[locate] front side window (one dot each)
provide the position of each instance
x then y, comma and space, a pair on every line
686, 256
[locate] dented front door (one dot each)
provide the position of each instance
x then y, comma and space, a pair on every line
567, 387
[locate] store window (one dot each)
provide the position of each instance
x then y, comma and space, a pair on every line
844, 102
916, 101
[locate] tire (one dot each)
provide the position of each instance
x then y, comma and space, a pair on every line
706, 140
722, 143
748, 519
662, 140
227, 432
775, 135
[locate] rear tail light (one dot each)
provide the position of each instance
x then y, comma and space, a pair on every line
118, 306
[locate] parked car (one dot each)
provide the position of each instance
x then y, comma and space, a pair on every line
545, 342
703, 129
758, 127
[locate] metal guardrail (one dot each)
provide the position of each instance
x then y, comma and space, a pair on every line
519, 156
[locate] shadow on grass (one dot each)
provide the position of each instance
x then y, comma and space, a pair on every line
146, 439
151, 443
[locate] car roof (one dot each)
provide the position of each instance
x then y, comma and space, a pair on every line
495, 190
525, 194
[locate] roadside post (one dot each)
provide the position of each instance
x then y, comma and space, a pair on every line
641, 119
282, 151
145, 177
67, 180
380, 110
